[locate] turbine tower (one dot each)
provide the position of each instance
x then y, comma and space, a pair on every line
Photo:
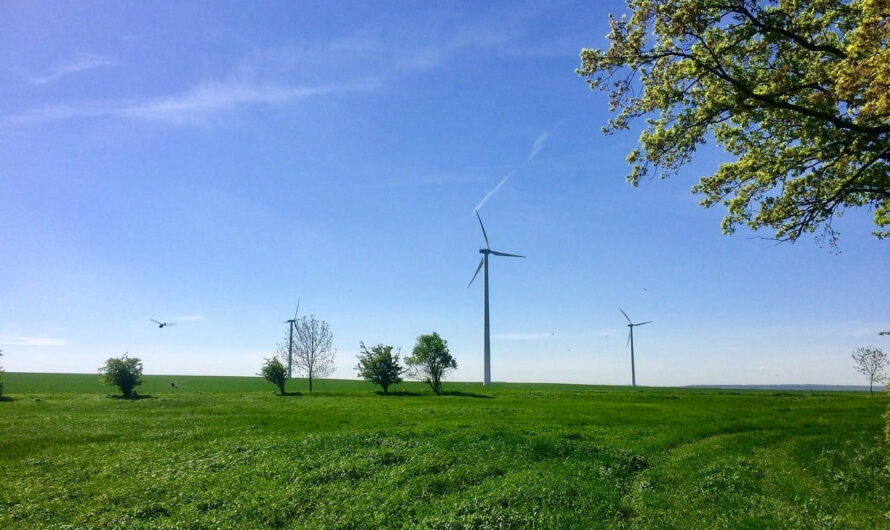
483, 264
290, 342
630, 340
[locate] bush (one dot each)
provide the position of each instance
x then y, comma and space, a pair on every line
379, 366
275, 372
430, 360
124, 372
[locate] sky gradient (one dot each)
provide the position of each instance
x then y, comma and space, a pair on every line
209, 164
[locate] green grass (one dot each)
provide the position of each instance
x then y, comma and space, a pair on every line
226, 452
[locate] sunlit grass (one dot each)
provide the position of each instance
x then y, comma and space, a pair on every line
226, 452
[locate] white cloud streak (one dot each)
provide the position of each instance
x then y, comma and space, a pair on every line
264, 76
12, 340
533, 152
80, 63
195, 105
187, 318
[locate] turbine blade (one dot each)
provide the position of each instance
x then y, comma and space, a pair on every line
155, 321
477, 272
647, 322
628, 338
505, 254
298, 309
487, 244
625, 315
171, 323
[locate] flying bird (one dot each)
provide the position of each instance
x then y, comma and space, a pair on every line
162, 324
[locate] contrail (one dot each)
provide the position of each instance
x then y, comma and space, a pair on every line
533, 152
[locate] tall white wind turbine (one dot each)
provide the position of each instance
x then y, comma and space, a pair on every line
630, 340
290, 342
483, 264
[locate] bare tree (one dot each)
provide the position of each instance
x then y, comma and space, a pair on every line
871, 363
313, 354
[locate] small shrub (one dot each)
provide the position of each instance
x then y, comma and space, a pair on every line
275, 372
123, 372
430, 361
379, 366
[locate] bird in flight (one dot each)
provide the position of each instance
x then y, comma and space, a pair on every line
162, 324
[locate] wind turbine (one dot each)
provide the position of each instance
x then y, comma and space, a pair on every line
162, 324
483, 264
630, 340
290, 341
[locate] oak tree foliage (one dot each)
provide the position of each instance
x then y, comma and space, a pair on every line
797, 92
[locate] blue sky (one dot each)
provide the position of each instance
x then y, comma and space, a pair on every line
211, 164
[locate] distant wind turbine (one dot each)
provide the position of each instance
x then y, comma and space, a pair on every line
162, 324
290, 342
483, 264
630, 340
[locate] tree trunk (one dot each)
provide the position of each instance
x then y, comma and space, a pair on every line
310, 380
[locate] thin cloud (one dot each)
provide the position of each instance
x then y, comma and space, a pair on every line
413, 57
195, 105
30, 341
533, 152
80, 63
539, 144
262, 77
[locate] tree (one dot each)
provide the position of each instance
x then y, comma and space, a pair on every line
123, 372
797, 93
275, 372
313, 354
871, 363
430, 361
1, 375
379, 366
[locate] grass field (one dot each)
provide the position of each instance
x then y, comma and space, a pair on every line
225, 452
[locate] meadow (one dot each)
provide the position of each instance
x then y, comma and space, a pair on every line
226, 452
